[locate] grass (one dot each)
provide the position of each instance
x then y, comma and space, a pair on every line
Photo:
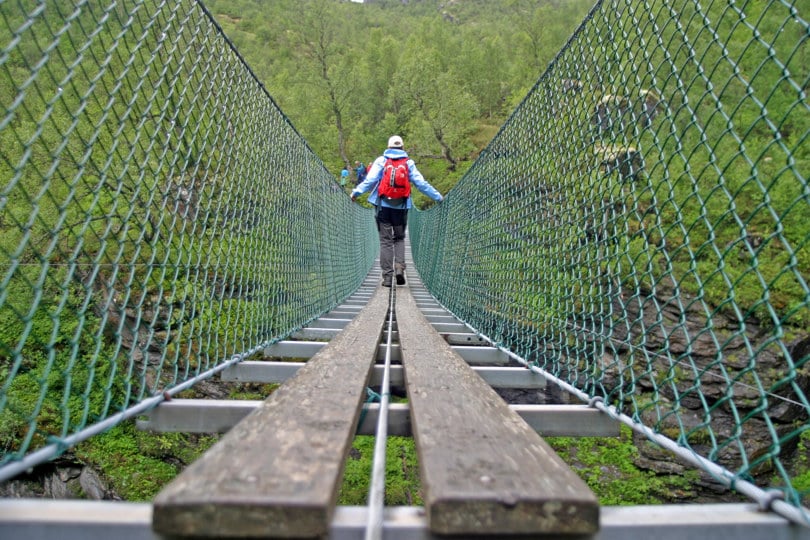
402, 486
607, 466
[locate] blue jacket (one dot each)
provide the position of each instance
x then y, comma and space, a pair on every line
375, 174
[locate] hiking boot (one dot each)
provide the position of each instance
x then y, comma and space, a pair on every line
386, 281
399, 270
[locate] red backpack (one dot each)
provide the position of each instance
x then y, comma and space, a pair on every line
395, 182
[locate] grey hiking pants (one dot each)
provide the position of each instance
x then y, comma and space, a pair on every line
391, 224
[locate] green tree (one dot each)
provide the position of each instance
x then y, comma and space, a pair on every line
326, 65
439, 112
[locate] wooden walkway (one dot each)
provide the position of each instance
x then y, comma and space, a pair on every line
279, 469
485, 475
484, 470
277, 472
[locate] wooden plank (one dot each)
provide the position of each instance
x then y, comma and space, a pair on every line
278, 471
484, 470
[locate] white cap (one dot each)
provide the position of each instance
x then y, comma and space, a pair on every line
395, 142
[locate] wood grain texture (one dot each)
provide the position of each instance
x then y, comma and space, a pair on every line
483, 469
278, 471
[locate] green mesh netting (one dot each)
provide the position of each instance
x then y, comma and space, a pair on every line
640, 228
158, 213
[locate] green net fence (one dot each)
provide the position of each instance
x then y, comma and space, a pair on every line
159, 215
640, 229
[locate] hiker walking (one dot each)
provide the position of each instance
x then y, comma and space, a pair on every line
360, 172
389, 179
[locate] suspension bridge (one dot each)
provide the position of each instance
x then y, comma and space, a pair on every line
635, 237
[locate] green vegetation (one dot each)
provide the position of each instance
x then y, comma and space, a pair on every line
444, 75
800, 479
136, 250
123, 182
137, 464
607, 466
401, 472
63, 387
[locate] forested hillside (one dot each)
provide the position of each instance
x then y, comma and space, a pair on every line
444, 74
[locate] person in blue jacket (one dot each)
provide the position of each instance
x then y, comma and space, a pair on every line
392, 219
360, 172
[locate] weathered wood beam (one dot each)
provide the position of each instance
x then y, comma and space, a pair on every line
484, 470
277, 472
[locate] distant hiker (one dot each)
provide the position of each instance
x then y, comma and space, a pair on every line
389, 179
344, 176
360, 172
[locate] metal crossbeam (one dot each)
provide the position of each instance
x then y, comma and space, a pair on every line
278, 372
329, 322
100, 520
312, 334
480, 355
443, 327
218, 416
